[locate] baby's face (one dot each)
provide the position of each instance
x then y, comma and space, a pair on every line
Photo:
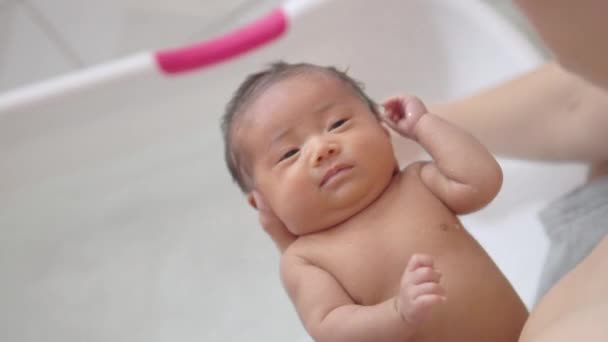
316, 152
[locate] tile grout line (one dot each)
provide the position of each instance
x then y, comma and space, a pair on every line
40, 20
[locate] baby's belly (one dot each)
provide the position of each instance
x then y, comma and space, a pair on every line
481, 305
369, 254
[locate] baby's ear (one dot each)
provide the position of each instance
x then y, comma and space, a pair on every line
252, 200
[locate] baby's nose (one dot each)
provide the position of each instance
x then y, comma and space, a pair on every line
324, 152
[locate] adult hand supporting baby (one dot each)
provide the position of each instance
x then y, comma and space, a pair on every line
272, 224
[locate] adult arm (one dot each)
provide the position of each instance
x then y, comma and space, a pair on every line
546, 114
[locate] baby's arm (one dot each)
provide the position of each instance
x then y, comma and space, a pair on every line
463, 174
330, 314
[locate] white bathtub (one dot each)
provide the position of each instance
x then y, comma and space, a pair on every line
119, 222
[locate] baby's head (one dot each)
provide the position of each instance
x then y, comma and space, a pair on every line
309, 141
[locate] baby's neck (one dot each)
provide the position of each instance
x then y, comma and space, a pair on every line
386, 193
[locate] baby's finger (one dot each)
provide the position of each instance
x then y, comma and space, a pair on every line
425, 289
394, 105
420, 309
419, 260
390, 123
424, 275
393, 110
425, 302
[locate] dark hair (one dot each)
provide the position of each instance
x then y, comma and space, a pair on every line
253, 86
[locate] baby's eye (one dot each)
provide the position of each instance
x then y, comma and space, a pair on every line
337, 124
289, 154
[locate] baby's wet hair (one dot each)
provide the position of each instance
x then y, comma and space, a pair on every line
253, 86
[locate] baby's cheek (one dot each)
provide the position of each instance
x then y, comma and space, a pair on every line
284, 195
300, 208
374, 143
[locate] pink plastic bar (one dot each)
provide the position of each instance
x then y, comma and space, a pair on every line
220, 49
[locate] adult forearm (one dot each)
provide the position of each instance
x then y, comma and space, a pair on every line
575, 31
546, 114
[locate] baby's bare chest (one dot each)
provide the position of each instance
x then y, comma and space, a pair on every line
368, 255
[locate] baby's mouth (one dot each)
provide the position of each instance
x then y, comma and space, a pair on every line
334, 171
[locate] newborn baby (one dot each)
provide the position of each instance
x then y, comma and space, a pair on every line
374, 253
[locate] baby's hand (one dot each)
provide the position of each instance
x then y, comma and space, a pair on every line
420, 290
402, 114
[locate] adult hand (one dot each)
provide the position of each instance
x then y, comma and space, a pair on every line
272, 224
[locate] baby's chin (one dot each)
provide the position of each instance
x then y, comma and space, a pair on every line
340, 207
304, 223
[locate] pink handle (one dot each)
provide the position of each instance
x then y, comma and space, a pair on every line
217, 50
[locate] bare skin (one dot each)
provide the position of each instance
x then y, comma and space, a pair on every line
572, 97
576, 307
511, 119
576, 33
400, 267
355, 270
597, 170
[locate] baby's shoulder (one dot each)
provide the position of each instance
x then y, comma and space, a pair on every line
296, 256
298, 250
410, 180
311, 249
413, 168
411, 173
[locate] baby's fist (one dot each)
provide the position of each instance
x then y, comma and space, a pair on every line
420, 289
402, 113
